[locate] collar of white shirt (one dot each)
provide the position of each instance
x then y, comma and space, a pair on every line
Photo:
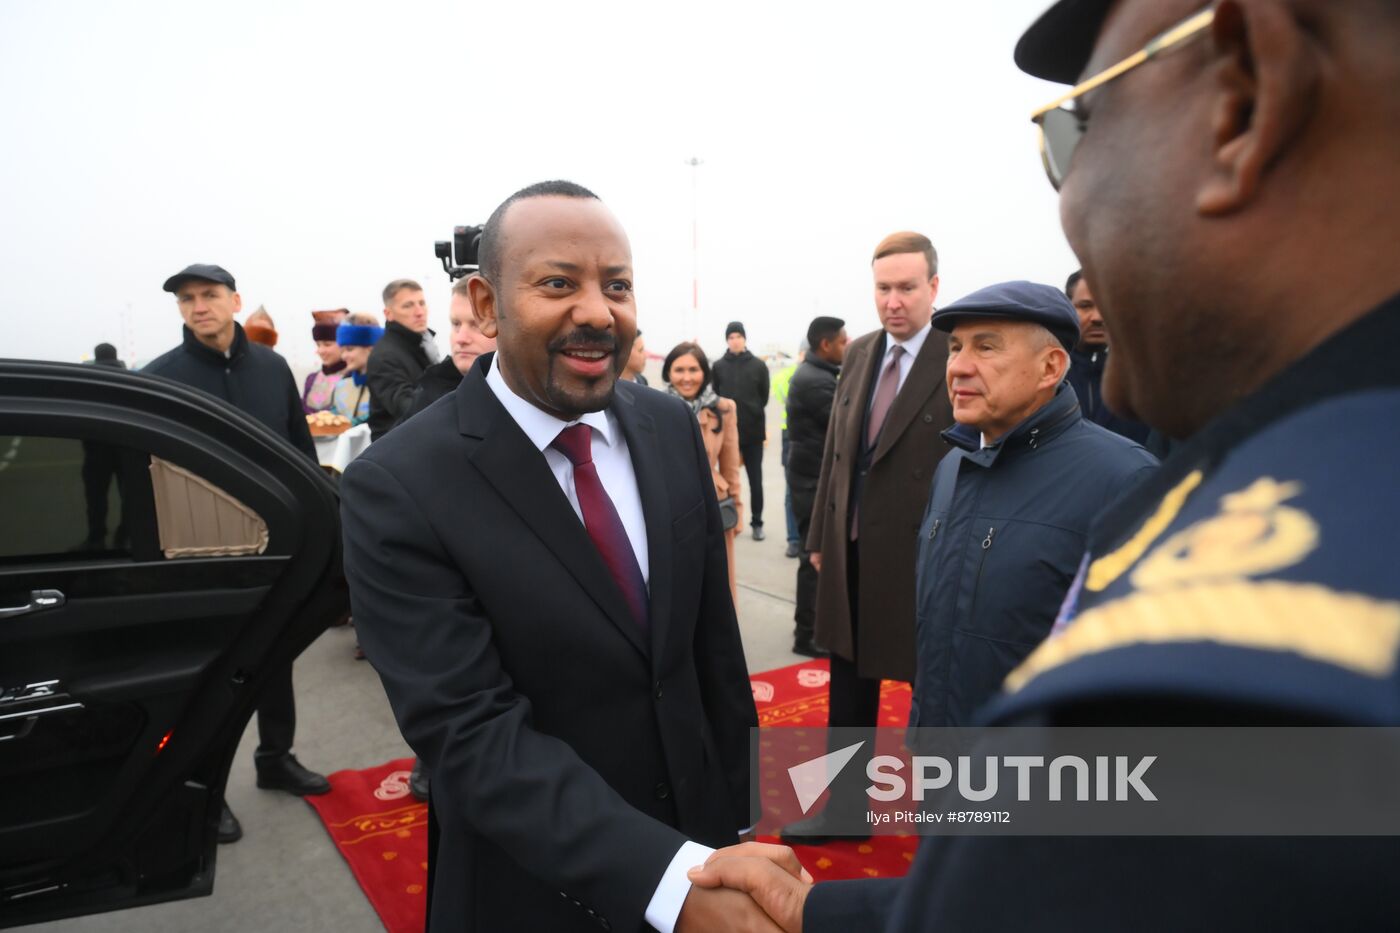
912, 346
540, 426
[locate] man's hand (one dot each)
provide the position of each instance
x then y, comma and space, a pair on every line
782, 856
720, 910
781, 895
816, 558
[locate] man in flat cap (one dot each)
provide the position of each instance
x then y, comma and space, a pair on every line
217, 357
1231, 194
1011, 505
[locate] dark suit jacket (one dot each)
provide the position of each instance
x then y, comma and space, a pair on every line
570, 756
893, 494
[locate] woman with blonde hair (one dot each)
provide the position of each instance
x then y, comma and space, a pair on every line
686, 373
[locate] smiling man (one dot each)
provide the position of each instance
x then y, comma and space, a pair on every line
538, 573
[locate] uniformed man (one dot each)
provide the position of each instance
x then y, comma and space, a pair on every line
1231, 193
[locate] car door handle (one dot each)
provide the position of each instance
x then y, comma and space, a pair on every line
38, 601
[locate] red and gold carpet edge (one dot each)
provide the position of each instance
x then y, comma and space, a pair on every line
382, 832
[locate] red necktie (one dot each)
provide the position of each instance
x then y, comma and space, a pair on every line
601, 520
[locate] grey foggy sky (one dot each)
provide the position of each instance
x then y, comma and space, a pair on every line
317, 150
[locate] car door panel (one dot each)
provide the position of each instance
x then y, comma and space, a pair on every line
112, 801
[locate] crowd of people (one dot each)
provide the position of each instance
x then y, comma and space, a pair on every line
976, 504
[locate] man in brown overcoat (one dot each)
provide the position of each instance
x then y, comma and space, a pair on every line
882, 447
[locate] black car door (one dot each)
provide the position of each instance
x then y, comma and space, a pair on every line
160, 555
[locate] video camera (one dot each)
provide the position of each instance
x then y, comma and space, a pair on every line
465, 247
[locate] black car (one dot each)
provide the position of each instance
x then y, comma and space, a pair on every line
160, 554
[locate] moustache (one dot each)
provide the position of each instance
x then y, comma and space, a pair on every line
585, 338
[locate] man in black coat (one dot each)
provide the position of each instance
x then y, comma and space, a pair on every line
467, 343
1011, 505
405, 351
743, 377
537, 569
810, 395
217, 357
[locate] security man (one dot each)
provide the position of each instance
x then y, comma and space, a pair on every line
1012, 503
215, 355
1217, 163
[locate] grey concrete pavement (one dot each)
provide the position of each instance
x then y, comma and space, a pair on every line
285, 874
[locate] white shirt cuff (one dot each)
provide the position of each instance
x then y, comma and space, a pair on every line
665, 906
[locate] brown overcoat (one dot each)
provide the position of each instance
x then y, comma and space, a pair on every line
722, 447
892, 505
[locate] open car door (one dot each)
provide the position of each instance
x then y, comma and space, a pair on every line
160, 555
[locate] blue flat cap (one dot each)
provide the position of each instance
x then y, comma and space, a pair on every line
1015, 301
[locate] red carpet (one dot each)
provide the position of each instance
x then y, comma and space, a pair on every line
383, 832
796, 696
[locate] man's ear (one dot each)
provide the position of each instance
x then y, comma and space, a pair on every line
237, 302
1267, 77
483, 299
1056, 364
933, 289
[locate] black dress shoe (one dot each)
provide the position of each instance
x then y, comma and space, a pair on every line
817, 830
230, 830
758, 534
418, 781
809, 650
286, 773
794, 549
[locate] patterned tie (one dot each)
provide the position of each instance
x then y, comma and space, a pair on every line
601, 519
884, 397
885, 392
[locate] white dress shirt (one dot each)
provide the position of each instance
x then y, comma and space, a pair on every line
610, 458
619, 479
912, 346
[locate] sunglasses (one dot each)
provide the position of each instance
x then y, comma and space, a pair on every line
1062, 126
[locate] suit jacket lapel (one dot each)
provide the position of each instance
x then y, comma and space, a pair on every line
520, 474
924, 378
854, 389
644, 446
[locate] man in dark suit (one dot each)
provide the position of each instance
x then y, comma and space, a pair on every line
882, 447
538, 573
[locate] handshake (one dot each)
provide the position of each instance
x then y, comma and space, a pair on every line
752, 887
